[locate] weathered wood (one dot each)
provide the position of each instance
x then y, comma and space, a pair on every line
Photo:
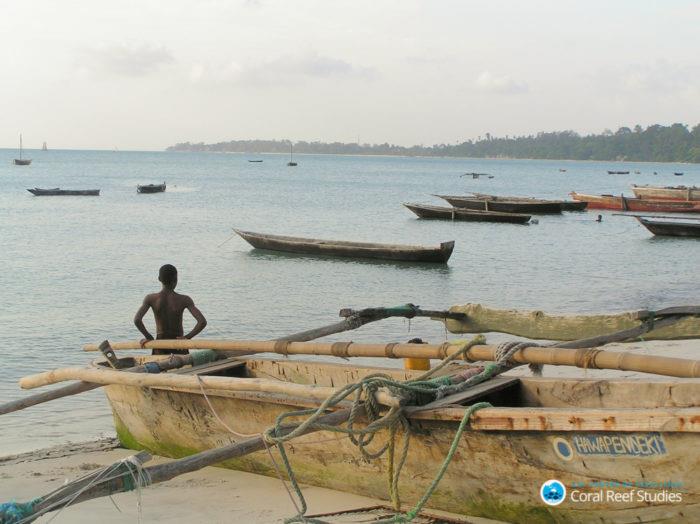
685, 420
472, 394
93, 486
195, 383
559, 356
539, 325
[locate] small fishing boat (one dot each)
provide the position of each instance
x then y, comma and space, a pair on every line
337, 248
502, 205
562, 170
151, 188
291, 162
618, 172
622, 203
64, 192
686, 193
678, 173
477, 175
566, 205
44, 148
467, 215
255, 161
671, 228
21, 161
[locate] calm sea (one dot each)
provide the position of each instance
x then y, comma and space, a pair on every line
75, 269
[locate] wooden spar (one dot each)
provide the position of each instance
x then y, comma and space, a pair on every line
541, 326
583, 357
192, 382
353, 320
174, 362
94, 486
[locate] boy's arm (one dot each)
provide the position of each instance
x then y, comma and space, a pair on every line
138, 320
198, 316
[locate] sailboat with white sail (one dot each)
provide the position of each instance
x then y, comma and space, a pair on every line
291, 162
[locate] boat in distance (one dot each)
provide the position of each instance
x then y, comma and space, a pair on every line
501, 205
671, 228
21, 161
622, 203
687, 193
577, 430
151, 188
338, 248
467, 215
566, 205
618, 172
64, 192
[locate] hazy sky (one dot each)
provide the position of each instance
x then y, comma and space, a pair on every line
146, 74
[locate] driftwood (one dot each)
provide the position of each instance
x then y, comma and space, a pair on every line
541, 326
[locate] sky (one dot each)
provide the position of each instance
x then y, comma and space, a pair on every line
142, 75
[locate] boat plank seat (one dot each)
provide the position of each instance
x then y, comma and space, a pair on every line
219, 367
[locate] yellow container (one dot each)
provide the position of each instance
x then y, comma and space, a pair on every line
418, 364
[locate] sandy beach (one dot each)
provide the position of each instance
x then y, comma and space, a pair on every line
211, 495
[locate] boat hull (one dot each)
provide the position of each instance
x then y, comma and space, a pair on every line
503, 206
496, 473
671, 229
336, 248
466, 215
667, 193
64, 192
566, 205
620, 203
151, 188
22, 161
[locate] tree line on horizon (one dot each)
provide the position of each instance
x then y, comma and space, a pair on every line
656, 143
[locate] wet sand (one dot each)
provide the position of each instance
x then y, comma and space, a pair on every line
211, 495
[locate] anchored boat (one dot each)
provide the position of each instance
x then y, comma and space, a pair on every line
566, 205
502, 205
467, 215
622, 203
687, 193
151, 188
338, 248
671, 228
21, 161
64, 192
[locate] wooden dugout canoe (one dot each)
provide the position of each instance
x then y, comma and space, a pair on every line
502, 205
468, 215
566, 205
151, 188
671, 228
580, 432
338, 248
685, 193
621, 203
64, 192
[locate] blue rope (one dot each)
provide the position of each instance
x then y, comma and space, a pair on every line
15, 512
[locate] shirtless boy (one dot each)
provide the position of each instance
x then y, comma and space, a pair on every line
168, 307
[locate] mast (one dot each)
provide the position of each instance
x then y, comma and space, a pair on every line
20, 146
291, 146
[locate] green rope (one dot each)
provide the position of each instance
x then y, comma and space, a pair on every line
15, 512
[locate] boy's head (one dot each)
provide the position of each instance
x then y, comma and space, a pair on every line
168, 276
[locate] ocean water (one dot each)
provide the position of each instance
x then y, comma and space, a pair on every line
75, 269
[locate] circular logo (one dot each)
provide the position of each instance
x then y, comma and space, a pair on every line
562, 449
553, 492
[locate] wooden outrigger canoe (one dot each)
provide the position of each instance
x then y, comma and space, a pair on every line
502, 205
64, 192
566, 205
469, 215
338, 248
670, 228
685, 193
151, 188
622, 203
581, 432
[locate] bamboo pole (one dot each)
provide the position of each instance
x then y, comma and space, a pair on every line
584, 357
191, 382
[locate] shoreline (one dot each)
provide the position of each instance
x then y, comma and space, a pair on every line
212, 494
